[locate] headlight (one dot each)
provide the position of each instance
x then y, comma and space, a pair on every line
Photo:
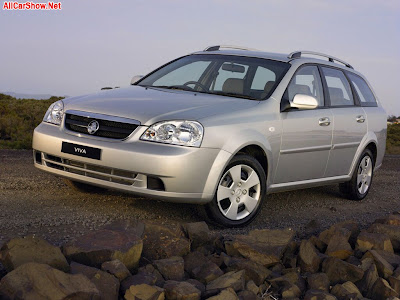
184, 133
55, 113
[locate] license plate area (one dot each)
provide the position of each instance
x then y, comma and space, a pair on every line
80, 150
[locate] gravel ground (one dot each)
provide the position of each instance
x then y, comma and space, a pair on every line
34, 202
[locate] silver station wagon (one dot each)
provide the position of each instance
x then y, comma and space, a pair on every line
222, 127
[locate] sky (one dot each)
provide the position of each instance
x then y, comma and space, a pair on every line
90, 44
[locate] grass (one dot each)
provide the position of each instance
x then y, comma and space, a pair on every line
19, 117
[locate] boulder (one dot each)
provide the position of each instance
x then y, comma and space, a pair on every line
172, 268
144, 292
319, 245
175, 290
194, 260
391, 258
349, 228
393, 231
116, 268
373, 241
395, 284
318, 281
318, 295
339, 246
382, 290
265, 246
339, 271
234, 280
106, 283
384, 268
97, 247
38, 281
227, 294
366, 284
198, 234
19, 251
291, 291
308, 258
252, 287
201, 287
207, 272
137, 279
247, 295
393, 219
153, 272
347, 290
253, 271
396, 273
161, 242
295, 278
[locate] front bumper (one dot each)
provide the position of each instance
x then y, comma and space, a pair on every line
188, 174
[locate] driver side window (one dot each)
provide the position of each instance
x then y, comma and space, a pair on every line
306, 81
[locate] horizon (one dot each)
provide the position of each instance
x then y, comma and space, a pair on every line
90, 45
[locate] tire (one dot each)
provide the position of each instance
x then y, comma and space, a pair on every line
359, 185
240, 193
83, 187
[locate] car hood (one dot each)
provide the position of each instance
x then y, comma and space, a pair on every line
150, 105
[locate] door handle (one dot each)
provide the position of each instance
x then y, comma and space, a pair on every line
324, 121
360, 119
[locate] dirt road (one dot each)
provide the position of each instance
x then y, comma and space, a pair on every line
33, 202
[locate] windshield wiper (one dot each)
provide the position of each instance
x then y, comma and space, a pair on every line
233, 95
173, 87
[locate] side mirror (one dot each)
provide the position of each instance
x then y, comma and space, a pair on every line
302, 101
136, 79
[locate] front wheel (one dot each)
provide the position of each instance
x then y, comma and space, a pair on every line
358, 187
239, 194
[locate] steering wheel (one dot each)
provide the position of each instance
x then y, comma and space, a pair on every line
203, 87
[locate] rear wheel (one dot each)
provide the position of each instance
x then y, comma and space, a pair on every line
358, 187
239, 194
83, 187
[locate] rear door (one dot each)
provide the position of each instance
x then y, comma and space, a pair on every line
349, 121
306, 134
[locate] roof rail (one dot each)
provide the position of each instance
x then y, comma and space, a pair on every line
298, 54
217, 47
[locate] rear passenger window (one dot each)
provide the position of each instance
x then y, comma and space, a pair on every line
338, 87
363, 91
307, 81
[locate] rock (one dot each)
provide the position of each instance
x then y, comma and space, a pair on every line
228, 294
153, 272
393, 231
395, 284
308, 258
144, 292
382, 290
291, 291
172, 268
198, 233
347, 290
366, 284
319, 245
137, 279
373, 241
384, 268
175, 290
161, 242
201, 287
295, 278
97, 247
351, 227
391, 258
339, 246
234, 280
217, 259
318, 281
230, 249
339, 271
116, 268
353, 260
253, 271
19, 251
252, 287
194, 260
265, 246
366, 263
318, 295
393, 219
38, 281
207, 272
247, 295
106, 283
396, 273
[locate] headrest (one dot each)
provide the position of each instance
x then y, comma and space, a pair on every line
336, 95
233, 85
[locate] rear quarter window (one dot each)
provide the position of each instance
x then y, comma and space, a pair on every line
363, 91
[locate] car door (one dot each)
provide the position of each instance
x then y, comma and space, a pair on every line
306, 134
349, 120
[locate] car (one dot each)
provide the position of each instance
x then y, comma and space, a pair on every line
223, 128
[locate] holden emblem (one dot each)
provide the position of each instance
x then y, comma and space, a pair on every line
93, 126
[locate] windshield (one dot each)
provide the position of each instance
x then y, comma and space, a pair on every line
227, 75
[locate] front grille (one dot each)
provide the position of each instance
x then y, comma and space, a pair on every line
107, 128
